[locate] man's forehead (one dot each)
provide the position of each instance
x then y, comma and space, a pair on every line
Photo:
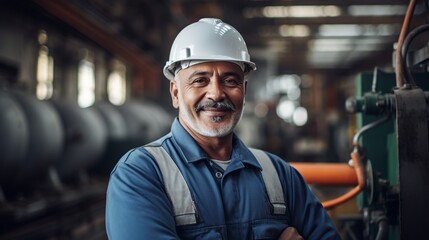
210, 66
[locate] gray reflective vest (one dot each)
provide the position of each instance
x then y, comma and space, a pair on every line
178, 191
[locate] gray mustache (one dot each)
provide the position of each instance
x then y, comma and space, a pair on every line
223, 106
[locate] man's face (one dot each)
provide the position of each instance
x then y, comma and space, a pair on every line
210, 98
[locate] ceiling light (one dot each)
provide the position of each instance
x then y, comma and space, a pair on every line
377, 10
342, 45
293, 92
293, 11
314, 11
330, 45
300, 116
353, 30
335, 30
294, 31
327, 59
285, 109
283, 83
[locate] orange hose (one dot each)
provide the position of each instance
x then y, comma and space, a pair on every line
342, 199
399, 71
333, 174
353, 192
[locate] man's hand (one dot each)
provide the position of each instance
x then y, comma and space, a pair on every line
290, 233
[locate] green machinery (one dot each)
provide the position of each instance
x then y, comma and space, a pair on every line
395, 146
392, 118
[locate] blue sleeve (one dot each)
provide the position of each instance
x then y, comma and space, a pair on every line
137, 206
306, 213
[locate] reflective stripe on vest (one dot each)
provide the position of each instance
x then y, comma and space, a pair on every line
271, 181
176, 187
180, 195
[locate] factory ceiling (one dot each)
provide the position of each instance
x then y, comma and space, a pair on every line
335, 36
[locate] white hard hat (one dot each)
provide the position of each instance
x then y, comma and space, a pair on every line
207, 40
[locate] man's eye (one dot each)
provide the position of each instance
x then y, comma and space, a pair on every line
231, 81
199, 80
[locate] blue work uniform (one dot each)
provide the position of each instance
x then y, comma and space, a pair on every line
231, 204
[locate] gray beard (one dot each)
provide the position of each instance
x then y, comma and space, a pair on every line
184, 116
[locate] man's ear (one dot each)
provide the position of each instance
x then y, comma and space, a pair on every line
174, 91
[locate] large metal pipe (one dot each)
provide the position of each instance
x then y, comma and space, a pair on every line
327, 174
85, 138
13, 136
145, 120
113, 119
44, 141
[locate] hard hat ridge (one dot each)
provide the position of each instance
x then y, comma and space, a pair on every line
209, 39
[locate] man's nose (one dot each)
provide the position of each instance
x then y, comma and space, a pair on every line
215, 90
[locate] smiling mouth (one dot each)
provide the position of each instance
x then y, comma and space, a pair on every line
214, 107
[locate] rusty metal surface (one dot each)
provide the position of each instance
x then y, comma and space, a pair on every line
413, 156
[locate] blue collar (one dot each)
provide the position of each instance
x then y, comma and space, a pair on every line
241, 155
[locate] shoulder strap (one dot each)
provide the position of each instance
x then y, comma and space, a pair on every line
175, 186
271, 181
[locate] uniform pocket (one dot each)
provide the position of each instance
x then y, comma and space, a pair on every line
268, 228
214, 233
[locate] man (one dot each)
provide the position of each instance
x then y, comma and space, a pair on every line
201, 181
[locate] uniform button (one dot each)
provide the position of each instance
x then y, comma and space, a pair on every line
219, 174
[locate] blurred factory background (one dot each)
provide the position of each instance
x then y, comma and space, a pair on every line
81, 83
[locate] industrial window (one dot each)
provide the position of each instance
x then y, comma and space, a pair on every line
116, 83
45, 69
86, 83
